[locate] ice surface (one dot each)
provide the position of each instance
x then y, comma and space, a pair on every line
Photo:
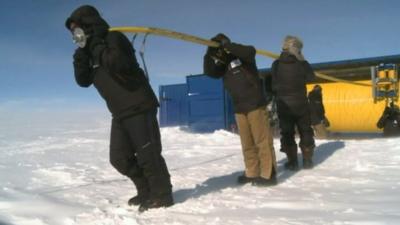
55, 170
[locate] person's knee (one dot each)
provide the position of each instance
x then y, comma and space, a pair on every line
120, 164
288, 137
148, 154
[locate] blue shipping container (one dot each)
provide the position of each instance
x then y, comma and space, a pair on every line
210, 107
173, 105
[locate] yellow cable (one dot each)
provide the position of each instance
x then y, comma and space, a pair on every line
202, 41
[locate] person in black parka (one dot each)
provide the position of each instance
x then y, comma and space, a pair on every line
107, 60
390, 121
290, 73
319, 122
236, 65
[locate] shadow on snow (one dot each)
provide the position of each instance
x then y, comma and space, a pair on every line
322, 152
213, 184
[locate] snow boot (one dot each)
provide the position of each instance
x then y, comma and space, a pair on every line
264, 182
163, 201
307, 157
142, 188
243, 179
291, 154
137, 200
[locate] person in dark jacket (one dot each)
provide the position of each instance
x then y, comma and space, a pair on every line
290, 73
236, 65
390, 121
107, 60
319, 122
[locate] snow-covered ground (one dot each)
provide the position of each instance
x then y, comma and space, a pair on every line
54, 170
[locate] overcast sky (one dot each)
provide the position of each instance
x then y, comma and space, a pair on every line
36, 49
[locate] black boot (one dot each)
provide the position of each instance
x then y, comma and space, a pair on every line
292, 165
243, 179
137, 200
264, 182
291, 154
157, 176
308, 153
159, 202
142, 188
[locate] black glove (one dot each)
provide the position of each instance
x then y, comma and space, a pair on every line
81, 59
81, 55
96, 48
82, 68
222, 39
222, 56
96, 29
224, 42
219, 55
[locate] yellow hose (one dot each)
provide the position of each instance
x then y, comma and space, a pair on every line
202, 41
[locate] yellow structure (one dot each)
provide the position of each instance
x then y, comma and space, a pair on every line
350, 108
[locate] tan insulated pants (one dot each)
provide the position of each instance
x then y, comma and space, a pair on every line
257, 143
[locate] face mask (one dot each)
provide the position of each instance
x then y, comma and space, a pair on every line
79, 37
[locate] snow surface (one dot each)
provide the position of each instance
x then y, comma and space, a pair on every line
55, 170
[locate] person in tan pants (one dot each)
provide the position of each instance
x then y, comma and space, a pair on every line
236, 65
257, 143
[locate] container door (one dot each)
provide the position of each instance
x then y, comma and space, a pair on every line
206, 103
173, 105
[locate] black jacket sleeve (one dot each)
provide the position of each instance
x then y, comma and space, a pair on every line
210, 67
382, 120
309, 72
243, 52
316, 101
322, 107
82, 68
274, 86
117, 55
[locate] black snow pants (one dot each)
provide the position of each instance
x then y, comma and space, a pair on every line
290, 118
135, 151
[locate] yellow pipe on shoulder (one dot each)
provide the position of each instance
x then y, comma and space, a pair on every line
202, 41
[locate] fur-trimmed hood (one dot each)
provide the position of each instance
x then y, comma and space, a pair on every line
293, 45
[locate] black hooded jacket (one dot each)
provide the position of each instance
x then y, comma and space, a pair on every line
116, 73
242, 82
289, 79
390, 122
317, 109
